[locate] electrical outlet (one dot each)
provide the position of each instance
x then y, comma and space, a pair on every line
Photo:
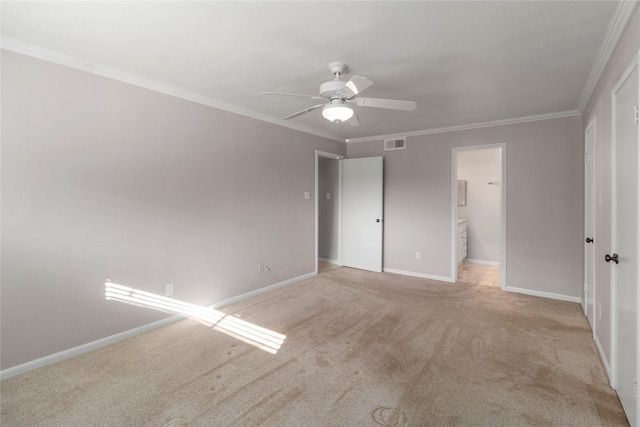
307, 195
418, 255
169, 288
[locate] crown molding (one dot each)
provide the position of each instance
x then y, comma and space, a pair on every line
619, 22
515, 120
49, 55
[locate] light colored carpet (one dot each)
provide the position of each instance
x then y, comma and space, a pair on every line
362, 349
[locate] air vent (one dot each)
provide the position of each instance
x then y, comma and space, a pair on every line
395, 144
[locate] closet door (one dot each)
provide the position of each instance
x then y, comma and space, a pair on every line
624, 258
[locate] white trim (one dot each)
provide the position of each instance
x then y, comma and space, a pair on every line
617, 26
421, 275
327, 155
635, 61
329, 261
340, 201
542, 294
481, 262
260, 291
454, 215
613, 331
603, 358
503, 207
316, 230
44, 54
85, 348
591, 128
103, 342
491, 123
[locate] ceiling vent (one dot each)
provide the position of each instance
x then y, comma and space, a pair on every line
395, 144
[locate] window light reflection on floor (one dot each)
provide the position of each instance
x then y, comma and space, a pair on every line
262, 338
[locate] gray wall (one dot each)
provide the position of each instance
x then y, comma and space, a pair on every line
482, 211
328, 208
599, 106
103, 180
544, 202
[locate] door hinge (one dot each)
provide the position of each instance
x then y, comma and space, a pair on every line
635, 115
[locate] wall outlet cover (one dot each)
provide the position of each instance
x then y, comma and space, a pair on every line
169, 289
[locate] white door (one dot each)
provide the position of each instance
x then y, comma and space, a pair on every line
589, 222
362, 213
624, 260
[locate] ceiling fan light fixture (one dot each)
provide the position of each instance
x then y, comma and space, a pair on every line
337, 112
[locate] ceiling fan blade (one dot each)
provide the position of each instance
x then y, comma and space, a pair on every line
385, 103
353, 121
293, 94
306, 110
356, 85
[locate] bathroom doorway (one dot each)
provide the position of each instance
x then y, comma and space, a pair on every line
328, 191
478, 215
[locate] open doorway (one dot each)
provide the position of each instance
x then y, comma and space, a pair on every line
478, 215
328, 211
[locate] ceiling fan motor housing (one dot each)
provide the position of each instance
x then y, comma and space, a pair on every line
330, 89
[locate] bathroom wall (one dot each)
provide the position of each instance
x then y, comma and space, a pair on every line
482, 211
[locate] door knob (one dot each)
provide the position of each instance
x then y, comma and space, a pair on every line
610, 258
378, 220
589, 240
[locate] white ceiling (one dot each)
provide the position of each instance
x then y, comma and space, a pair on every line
462, 62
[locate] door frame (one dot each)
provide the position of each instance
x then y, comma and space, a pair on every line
590, 229
503, 207
326, 155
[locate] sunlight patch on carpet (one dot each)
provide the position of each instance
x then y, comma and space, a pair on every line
242, 330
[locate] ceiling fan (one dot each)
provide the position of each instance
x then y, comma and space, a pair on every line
339, 93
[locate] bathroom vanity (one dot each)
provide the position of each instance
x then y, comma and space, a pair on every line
461, 240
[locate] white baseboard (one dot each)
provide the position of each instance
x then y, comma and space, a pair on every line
480, 261
103, 342
422, 275
84, 348
250, 294
603, 358
543, 294
329, 261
